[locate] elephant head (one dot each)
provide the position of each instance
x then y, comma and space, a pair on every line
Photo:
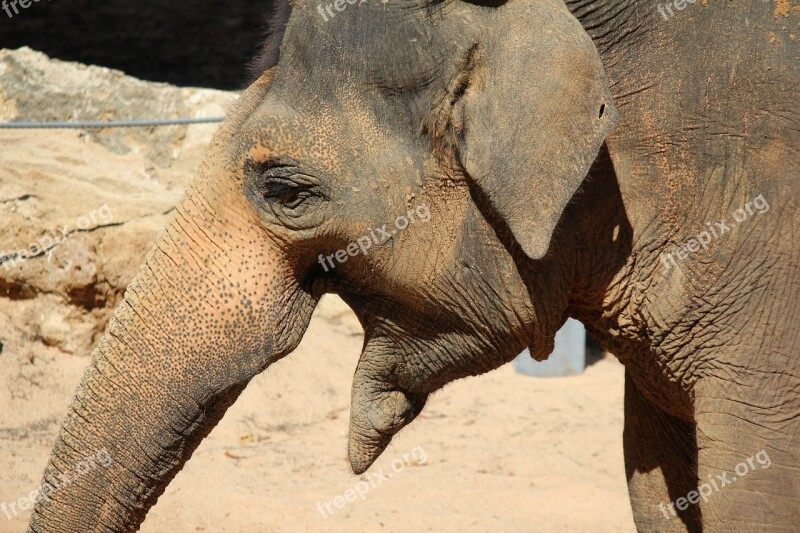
413, 157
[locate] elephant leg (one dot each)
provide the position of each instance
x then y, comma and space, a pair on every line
660, 458
748, 439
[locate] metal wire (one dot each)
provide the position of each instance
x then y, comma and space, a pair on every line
109, 124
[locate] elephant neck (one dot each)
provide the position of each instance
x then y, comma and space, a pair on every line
613, 24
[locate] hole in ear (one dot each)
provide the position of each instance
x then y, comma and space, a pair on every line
602, 110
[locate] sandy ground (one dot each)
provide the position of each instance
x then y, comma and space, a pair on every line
501, 452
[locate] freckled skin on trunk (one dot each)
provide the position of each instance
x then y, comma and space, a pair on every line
203, 316
157, 387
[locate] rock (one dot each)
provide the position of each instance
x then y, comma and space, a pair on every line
78, 209
55, 331
36, 88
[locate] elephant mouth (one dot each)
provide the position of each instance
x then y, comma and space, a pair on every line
407, 405
375, 418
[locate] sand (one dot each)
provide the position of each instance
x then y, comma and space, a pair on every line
499, 452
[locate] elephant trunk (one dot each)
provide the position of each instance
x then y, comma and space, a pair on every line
122, 442
202, 317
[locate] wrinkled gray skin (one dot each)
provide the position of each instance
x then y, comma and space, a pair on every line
489, 115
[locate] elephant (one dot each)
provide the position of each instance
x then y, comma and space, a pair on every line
466, 175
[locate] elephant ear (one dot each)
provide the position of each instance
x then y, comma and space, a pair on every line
536, 109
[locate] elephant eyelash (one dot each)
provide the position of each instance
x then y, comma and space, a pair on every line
288, 174
282, 186
285, 191
286, 187
274, 187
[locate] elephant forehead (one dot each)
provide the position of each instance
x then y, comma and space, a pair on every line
277, 131
331, 133
390, 46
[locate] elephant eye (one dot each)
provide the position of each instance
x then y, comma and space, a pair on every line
285, 192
